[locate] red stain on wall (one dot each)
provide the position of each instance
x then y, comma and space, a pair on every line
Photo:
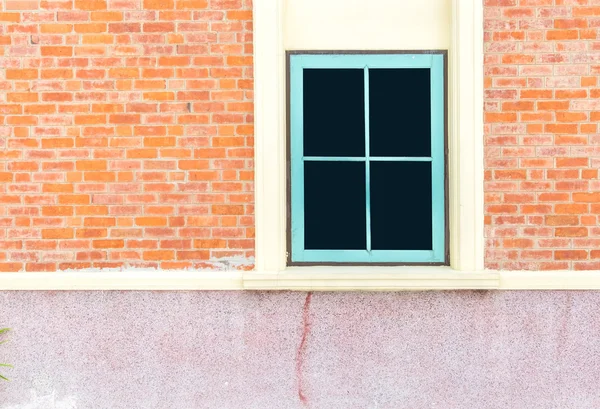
306, 324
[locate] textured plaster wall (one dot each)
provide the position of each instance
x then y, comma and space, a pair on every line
184, 350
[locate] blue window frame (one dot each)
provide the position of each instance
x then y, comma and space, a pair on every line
367, 158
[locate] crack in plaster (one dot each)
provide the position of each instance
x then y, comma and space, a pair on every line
300, 354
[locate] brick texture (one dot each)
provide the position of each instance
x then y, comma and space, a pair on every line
542, 106
127, 134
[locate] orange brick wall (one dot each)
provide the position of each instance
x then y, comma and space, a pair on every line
542, 106
127, 134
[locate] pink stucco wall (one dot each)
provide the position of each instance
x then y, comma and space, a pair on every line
279, 350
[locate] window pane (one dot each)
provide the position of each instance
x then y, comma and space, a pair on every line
334, 113
400, 112
401, 210
335, 206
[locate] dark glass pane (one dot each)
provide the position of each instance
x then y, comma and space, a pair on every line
335, 206
401, 208
400, 112
334, 112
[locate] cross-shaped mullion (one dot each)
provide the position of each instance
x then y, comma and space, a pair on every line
367, 158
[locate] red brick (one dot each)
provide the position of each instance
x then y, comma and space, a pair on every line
586, 11
22, 4
90, 4
158, 4
193, 255
562, 35
570, 255
560, 128
571, 232
159, 255
57, 51
572, 162
64, 233
553, 105
570, 23
192, 4
10, 17
151, 221
571, 208
12, 267
587, 197
517, 243
106, 16
562, 220
108, 244
22, 74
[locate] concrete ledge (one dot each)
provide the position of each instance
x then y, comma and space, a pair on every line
376, 279
305, 279
550, 280
138, 279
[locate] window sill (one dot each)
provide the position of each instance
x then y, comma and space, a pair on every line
339, 278
365, 278
304, 279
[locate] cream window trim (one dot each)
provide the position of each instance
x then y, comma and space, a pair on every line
318, 279
465, 158
371, 279
269, 130
549, 280
466, 137
134, 279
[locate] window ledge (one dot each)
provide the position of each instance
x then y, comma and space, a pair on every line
367, 278
339, 278
133, 279
410, 278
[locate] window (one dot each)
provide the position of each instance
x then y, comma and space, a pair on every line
367, 143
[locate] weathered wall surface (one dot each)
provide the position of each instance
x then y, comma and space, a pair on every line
184, 350
542, 60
